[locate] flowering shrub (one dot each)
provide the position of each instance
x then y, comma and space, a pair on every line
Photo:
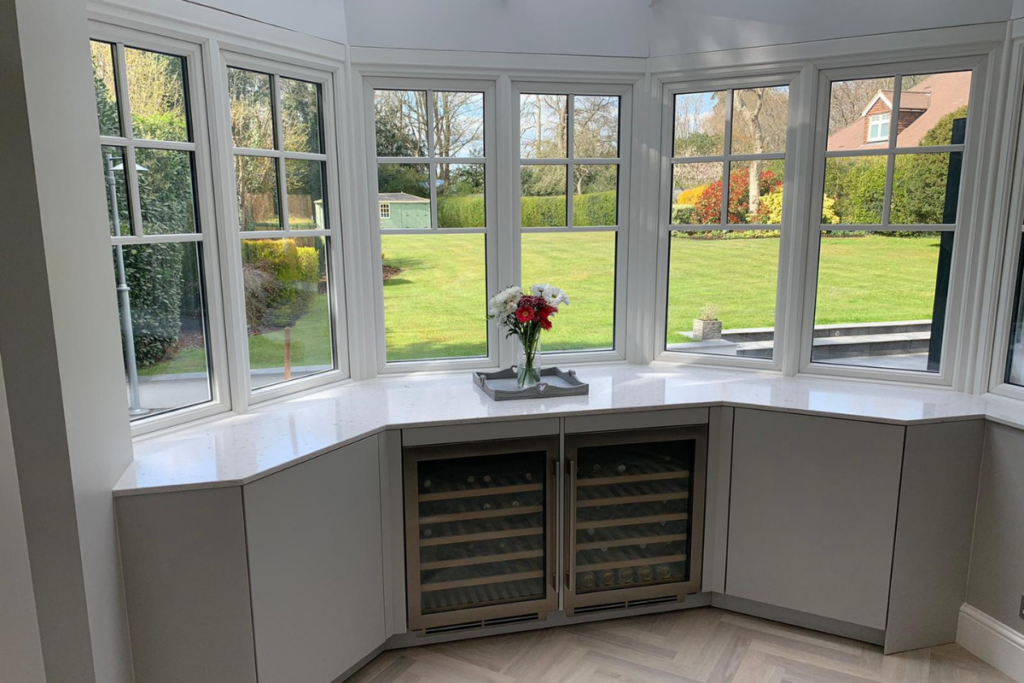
709, 206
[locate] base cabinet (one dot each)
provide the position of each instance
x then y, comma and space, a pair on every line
813, 514
315, 566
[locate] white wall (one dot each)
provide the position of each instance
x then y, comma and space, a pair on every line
20, 649
567, 27
60, 341
1018, 9
688, 26
320, 18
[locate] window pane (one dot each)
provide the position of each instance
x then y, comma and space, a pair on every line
460, 196
697, 194
700, 124
258, 205
1015, 363
851, 107
458, 124
721, 292
925, 189
307, 204
156, 92
543, 196
760, 117
876, 299
405, 188
854, 190
167, 323
118, 213
105, 83
418, 269
401, 123
252, 110
595, 130
933, 109
287, 308
166, 194
583, 264
300, 114
755, 191
595, 195
543, 126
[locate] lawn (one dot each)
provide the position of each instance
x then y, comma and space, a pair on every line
434, 308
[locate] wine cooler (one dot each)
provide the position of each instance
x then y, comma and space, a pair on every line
481, 528
635, 517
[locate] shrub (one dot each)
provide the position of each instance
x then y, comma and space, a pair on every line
281, 280
154, 277
461, 212
709, 206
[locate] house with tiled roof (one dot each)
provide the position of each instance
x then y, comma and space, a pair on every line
921, 107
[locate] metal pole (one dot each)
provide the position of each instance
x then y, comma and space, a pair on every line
134, 401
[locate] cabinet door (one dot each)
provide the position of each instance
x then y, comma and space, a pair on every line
315, 563
813, 514
480, 531
634, 523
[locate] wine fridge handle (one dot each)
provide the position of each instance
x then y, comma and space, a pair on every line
570, 543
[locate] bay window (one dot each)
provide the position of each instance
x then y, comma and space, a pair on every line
726, 178
1015, 352
889, 216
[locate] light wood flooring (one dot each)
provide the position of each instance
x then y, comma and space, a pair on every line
703, 645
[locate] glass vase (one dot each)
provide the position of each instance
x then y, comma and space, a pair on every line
528, 361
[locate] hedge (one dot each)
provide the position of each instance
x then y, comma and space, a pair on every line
593, 209
281, 280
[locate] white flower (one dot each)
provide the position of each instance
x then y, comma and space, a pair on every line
553, 296
504, 302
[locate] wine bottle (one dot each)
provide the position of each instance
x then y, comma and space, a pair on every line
626, 575
588, 580
646, 573
664, 571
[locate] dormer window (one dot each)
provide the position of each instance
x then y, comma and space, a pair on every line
878, 128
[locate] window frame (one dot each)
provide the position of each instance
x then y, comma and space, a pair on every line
1011, 257
788, 240
208, 232
623, 160
952, 337
879, 120
235, 56
433, 83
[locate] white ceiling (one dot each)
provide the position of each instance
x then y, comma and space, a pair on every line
628, 28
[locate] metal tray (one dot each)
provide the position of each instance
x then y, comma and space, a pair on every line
501, 385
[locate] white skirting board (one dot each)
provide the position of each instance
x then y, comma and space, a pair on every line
991, 641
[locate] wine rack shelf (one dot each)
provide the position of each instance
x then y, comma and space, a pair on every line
480, 530
634, 518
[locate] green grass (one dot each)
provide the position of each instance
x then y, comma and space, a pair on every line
311, 345
435, 307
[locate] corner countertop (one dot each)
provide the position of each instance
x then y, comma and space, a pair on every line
239, 449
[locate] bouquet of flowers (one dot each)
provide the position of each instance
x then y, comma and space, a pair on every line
526, 315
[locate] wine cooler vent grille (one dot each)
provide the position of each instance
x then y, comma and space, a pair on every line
470, 625
630, 604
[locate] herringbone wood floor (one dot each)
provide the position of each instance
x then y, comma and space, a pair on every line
699, 645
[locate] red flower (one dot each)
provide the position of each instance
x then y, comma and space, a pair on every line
547, 311
524, 315
545, 324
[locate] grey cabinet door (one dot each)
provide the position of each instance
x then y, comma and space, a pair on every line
813, 514
315, 564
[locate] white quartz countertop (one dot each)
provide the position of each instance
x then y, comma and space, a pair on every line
239, 449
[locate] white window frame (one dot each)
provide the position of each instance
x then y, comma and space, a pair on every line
205, 205
431, 84
1012, 252
963, 226
570, 89
790, 227
385, 210
878, 121
234, 56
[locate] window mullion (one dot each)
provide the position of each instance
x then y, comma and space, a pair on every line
890, 162
282, 179
570, 153
431, 166
726, 175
